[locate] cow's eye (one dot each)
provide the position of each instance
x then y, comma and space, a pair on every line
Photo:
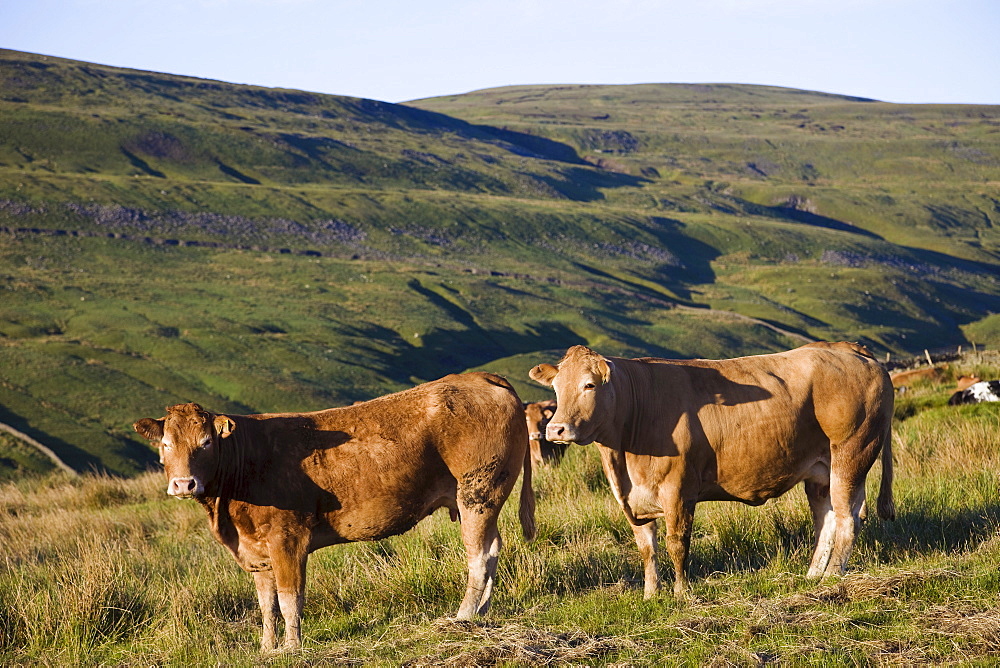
589, 386
205, 443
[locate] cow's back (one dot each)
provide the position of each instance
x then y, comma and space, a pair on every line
829, 377
849, 387
399, 457
752, 426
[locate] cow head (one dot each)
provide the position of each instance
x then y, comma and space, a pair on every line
584, 395
539, 414
188, 440
965, 382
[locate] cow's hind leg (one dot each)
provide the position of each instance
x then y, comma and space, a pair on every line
847, 496
645, 539
849, 465
482, 548
678, 519
824, 523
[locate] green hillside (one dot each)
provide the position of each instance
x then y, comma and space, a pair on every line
166, 239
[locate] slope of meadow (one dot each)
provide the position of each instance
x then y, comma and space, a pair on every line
166, 239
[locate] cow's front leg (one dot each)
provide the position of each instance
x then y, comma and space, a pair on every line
289, 565
645, 539
267, 598
678, 517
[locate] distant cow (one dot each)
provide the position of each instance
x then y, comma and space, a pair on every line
279, 486
986, 390
907, 378
543, 451
672, 433
965, 382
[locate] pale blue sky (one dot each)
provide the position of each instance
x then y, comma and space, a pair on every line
395, 50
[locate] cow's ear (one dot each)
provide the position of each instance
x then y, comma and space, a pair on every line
605, 367
548, 413
543, 373
224, 426
149, 428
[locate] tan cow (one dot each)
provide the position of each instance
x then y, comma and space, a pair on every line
965, 382
907, 378
672, 433
960, 396
279, 486
543, 451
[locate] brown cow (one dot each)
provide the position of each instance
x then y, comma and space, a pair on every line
279, 486
907, 378
543, 451
960, 396
965, 382
672, 433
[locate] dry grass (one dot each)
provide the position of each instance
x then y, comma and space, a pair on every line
109, 571
486, 644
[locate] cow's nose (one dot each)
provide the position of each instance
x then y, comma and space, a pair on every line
559, 432
536, 436
182, 487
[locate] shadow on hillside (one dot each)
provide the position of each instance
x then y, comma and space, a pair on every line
74, 457
944, 301
405, 117
694, 257
444, 351
533, 146
140, 453
449, 351
141, 164
798, 216
677, 262
583, 184
236, 174
816, 220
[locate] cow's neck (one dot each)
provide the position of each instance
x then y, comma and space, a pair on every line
628, 413
237, 458
628, 407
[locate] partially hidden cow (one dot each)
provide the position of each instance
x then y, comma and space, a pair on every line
977, 393
672, 433
543, 451
278, 486
965, 382
906, 378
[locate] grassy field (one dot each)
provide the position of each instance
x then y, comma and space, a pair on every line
103, 570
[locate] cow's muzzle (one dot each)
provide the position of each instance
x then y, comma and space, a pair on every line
184, 488
536, 436
559, 432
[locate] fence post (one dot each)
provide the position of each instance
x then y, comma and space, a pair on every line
928, 355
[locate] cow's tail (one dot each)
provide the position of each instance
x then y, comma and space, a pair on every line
526, 513
886, 507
